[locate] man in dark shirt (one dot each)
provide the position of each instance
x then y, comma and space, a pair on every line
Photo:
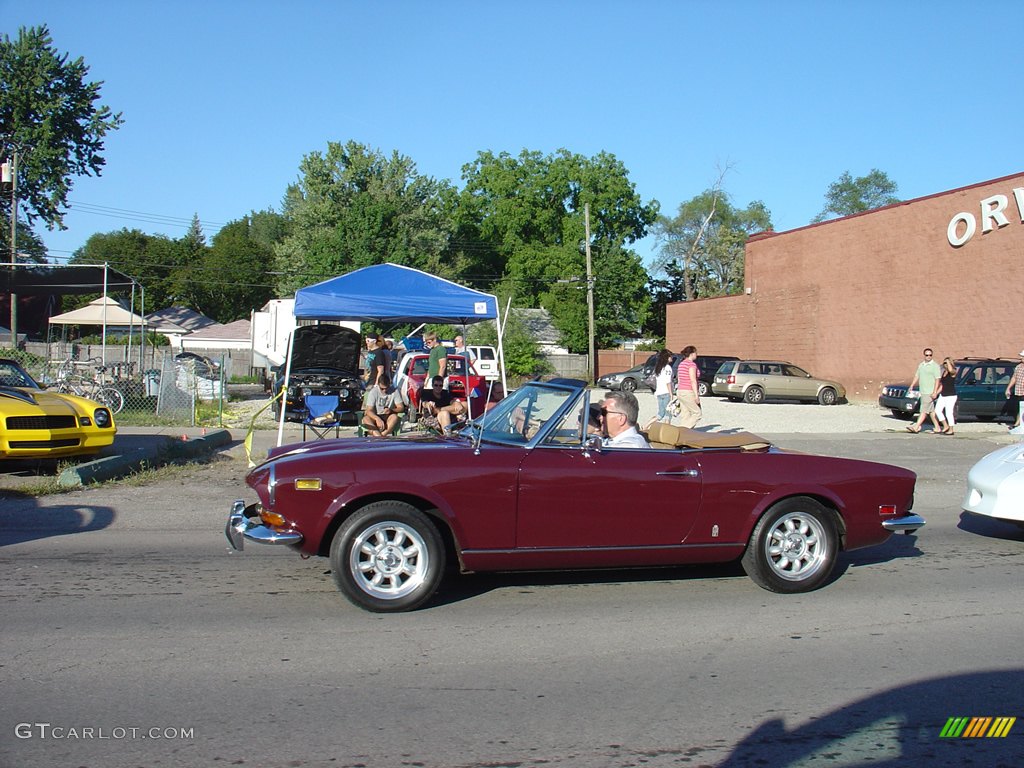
438, 406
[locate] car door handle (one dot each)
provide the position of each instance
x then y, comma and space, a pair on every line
680, 473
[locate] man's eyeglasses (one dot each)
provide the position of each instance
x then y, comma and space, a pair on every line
927, 354
605, 412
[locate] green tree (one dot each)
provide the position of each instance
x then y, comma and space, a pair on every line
848, 195
520, 221
702, 247
153, 260
354, 207
233, 277
49, 113
187, 274
522, 354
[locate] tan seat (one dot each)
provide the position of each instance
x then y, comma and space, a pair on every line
661, 435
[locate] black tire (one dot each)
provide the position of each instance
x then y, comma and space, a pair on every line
703, 389
628, 384
754, 395
388, 557
828, 396
793, 547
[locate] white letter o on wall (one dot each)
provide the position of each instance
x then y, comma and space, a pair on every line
969, 227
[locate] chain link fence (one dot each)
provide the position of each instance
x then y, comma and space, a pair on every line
171, 389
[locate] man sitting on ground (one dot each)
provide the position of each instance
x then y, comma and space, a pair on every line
382, 407
620, 411
438, 407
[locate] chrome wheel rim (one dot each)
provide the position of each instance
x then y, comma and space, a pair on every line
796, 547
389, 560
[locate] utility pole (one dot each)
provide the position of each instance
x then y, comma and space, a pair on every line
590, 296
14, 247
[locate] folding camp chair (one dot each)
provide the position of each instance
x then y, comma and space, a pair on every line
321, 415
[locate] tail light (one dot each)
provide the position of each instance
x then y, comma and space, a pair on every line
731, 379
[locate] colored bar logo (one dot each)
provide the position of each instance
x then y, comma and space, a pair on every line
977, 727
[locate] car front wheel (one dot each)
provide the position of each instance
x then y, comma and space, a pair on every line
703, 389
754, 395
828, 396
793, 547
628, 385
388, 557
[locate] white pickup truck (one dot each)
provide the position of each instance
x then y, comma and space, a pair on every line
485, 361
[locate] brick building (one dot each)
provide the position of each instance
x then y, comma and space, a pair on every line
856, 299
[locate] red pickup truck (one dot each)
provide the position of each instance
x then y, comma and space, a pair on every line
461, 378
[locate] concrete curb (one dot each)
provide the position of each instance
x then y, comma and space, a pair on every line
111, 467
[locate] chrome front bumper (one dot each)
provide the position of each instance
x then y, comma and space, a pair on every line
244, 523
905, 524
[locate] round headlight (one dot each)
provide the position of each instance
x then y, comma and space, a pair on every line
101, 418
344, 394
306, 391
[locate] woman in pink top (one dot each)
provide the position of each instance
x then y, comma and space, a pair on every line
686, 387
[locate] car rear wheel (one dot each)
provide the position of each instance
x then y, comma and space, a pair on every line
754, 395
703, 389
388, 557
793, 547
628, 385
828, 396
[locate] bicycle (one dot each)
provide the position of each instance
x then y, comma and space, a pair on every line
71, 383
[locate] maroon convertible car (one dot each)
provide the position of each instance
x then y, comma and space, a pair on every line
524, 488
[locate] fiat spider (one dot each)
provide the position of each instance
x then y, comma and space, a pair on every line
524, 487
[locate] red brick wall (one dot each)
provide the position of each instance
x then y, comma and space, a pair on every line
857, 299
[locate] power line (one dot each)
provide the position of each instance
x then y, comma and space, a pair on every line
150, 218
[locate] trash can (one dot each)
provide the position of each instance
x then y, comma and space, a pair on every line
151, 380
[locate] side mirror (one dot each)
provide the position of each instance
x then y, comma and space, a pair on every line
592, 443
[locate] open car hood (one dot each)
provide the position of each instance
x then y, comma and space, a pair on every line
326, 346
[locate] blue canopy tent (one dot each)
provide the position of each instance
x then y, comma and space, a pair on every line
395, 294
392, 293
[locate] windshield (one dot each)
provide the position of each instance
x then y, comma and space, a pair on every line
525, 413
12, 375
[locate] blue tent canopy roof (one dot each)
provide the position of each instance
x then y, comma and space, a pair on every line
396, 294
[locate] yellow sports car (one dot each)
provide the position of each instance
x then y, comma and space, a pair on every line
35, 423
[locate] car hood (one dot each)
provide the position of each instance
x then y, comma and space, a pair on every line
19, 401
363, 446
326, 346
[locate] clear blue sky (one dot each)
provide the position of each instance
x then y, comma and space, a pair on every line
221, 100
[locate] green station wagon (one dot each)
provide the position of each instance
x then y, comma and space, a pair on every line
758, 380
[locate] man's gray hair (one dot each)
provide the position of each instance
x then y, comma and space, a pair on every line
627, 403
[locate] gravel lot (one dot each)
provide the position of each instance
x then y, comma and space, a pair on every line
723, 415
782, 418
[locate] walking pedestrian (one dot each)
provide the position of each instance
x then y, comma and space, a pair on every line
945, 406
663, 384
686, 387
927, 375
1015, 391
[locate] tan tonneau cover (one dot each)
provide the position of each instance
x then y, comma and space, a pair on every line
661, 435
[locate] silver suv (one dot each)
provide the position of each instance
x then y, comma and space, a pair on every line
758, 380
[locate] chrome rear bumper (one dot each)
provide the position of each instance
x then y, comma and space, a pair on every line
905, 524
244, 523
